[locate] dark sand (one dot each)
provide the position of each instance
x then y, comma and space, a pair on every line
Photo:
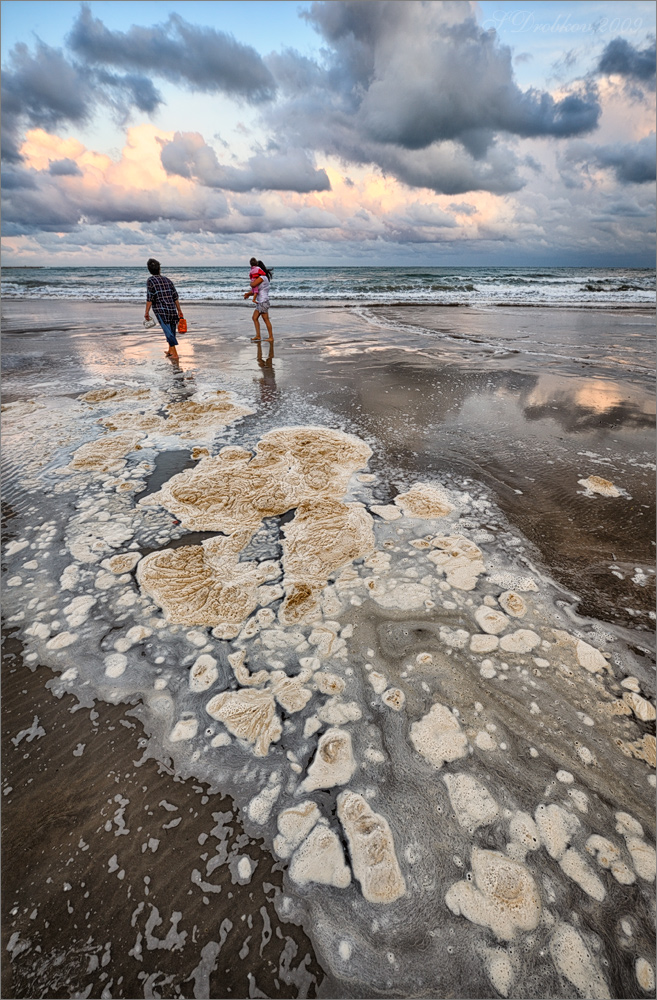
470, 400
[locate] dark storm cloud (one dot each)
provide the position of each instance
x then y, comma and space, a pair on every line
399, 80
622, 58
632, 163
188, 156
200, 58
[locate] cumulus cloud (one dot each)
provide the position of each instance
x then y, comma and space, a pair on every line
188, 155
421, 90
200, 58
624, 59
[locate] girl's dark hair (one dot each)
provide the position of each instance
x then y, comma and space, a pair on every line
153, 265
267, 270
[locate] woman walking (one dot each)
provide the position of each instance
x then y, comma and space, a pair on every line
261, 283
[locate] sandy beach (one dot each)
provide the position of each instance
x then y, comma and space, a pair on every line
135, 862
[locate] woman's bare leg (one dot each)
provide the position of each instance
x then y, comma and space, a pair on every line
255, 316
265, 316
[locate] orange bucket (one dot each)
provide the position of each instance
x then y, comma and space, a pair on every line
182, 326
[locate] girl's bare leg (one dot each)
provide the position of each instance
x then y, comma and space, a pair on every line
265, 316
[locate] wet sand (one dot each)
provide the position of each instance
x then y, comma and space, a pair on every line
455, 395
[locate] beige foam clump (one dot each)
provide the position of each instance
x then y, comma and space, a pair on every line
186, 729
334, 762
609, 856
513, 604
203, 673
641, 707
403, 596
289, 692
123, 563
386, 511
589, 657
504, 896
378, 681
523, 640
187, 419
394, 698
233, 491
204, 584
643, 858
329, 683
423, 500
294, 825
107, 454
574, 866
485, 741
192, 418
645, 975
642, 854
596, 484
438, 736
320, 858
471, 801
556, 827
482, 643
260, 807
490, 620
145, 422
325, 535
250, 715
242, 673
524, 831
62, 640
643, 749
460, 560
337, 713
372, 849
499, 970
573, 960
116, 395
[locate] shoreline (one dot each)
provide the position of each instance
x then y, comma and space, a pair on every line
321, 303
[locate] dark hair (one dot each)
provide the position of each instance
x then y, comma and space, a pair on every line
153, 265
267, 270
253, 262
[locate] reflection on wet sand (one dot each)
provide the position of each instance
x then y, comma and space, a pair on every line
267, 383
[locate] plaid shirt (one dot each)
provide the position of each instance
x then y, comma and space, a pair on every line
162, 293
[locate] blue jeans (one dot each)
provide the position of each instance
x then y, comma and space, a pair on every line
169, 329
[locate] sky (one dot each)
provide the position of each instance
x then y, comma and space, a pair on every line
345, 132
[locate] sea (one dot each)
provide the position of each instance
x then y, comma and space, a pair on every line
585, 287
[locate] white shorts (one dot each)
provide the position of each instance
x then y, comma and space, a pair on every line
263, 306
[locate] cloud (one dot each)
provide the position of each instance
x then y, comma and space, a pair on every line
45, 89
421, 90
64, 168
623, 59
631, 163
201, 58
188, 155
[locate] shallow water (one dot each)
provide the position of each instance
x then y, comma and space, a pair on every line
539, 740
